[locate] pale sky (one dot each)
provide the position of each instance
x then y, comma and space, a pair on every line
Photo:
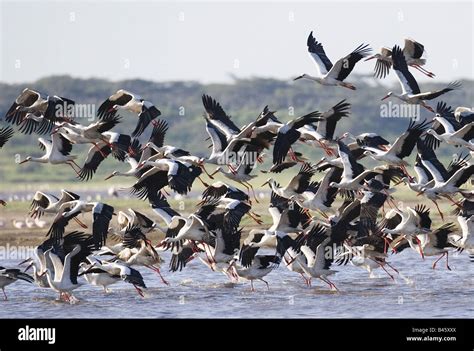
212, 41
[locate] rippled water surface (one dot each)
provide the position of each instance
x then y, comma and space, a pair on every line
196, 292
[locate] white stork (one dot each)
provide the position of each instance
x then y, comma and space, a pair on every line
11, 275
297, 185
48, 203
57, 152
413, 52
125, 100
330, 74
411, 93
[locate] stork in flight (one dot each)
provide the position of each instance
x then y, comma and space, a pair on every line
57, 152
10, 275
330, 74
413, 52
125, 100
411, 93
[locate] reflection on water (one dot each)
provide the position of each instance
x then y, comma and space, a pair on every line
198, 292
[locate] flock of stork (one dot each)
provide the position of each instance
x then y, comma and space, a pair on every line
308, 234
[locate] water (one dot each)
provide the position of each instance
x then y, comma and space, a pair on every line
419, 292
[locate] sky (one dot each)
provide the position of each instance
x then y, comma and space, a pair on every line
215, 41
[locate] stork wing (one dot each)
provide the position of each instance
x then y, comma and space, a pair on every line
93, 160
461, 176
68, 196
433, 95
218, 117
344, 66
121, 97
466, 132
413, 49
316, 51
148, 114
406, 79
403, 146
5, 134
218, 139
301, 181
327, 126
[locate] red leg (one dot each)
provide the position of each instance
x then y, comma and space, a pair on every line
435, 262
139, 291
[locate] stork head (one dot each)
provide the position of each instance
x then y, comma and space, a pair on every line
114, 108
376, 56
323, 159
25, 160
430, 131
113, 174
387, 96
141, 164
217, 170
404, 180
146, 146
269, 181
304, 75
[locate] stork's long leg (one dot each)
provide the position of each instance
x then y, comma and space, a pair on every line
75, 164
328, 150
405, 171
306, 280
80, 222
451, 199
394, 269
209, 256
246, 187
258, 221
440, 257
253, 191
439, 211
75, 170
323, 214
381, 265
419, 245
424, 71
203, 182
157, 270
330, 283
205, 171
139, 291
268, 286
99, 149
4, 294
